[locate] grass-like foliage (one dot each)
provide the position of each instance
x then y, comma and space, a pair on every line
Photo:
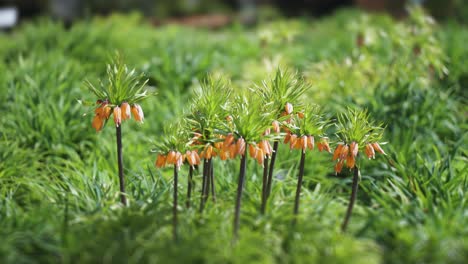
225, 99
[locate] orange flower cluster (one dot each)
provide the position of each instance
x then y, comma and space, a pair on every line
305, 142
230, 147
372, 148
176, 158
260, 151
323, 145
122, 112
348, 153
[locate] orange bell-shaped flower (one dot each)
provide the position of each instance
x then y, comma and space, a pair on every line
126, 112
137, 113
241, 146
160, 161
98, 123
377, 148
337, 152
117, 116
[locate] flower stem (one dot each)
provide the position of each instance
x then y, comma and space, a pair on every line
270, 171
204, 185
174, 207
212, 181
189, 186
299, 186
208, 181
240, 187
264, 186
123, 197
352, 199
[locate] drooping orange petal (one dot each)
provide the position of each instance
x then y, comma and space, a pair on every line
107, 111
208, 152
260, 156
98, 123
218, 145
228, 140
319, 146
300, 115
377, 148
337, 152
241, 146
253, 150
232, 151
304, 142
326, 146
339, 166
189, 157
223, 155
160, 161
126, 112
179, 160
354, 148
266, 147
117, 116
292, 141
310, 142
350, 161
287, 138
344, 152
137, 113
196, 157
171, 157
370, 153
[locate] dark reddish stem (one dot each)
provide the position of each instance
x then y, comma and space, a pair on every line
240, 187
299, 186
270, 170
352, 199
123, 197
212, 181
174, 207
264, 186
204, 185
189, 186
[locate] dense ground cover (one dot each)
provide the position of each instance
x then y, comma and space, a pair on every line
59, 184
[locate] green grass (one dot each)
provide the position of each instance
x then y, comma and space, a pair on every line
58, 179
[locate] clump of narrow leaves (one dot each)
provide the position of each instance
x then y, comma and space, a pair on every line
119, 96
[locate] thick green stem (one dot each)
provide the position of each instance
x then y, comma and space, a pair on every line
240, 188
189, 186
272, 166
299, 186
123, 197
264, 186
174, 206
352, 199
